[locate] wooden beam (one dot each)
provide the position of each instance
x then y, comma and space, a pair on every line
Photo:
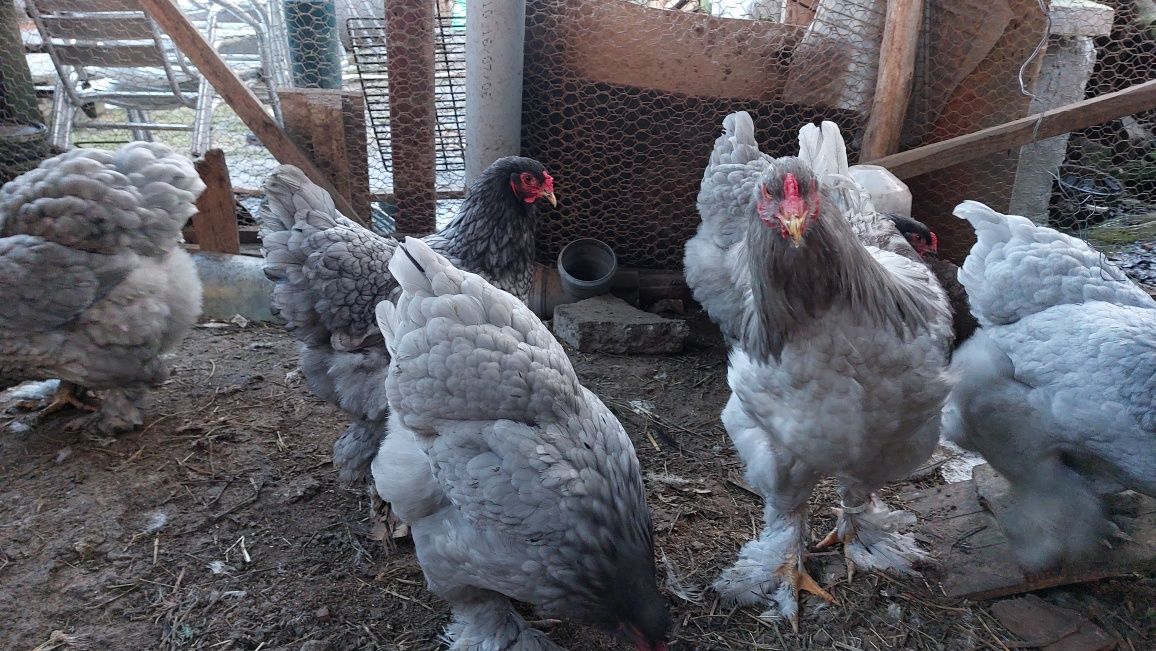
330, 126
1039, 126
238, 96
409, 46
893, 82
800, 12
216, 220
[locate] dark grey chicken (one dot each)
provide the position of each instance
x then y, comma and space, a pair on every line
330, 273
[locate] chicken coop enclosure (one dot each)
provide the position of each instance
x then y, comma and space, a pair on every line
621, 99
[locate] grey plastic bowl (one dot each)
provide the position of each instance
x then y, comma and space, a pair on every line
587, 267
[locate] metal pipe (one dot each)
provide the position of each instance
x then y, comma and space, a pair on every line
495, 41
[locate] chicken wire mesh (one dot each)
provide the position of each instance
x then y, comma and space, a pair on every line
621, 99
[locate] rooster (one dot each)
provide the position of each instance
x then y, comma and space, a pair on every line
838, 361
94, 284
516, 481
1057, 390
329, 273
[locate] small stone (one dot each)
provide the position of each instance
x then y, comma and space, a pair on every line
322, 613
606, 324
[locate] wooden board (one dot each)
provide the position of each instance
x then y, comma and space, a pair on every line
216, 220
975, 559
1048, 627
692, 54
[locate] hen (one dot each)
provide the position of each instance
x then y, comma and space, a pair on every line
926, 244
838, 366
94, 284
516, 481
329, 273
1057, 390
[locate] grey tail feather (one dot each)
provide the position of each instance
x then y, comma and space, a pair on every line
411, 258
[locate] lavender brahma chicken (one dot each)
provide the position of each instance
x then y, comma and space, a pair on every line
1057, 389
516, 481
329, 273
94, 285
837, 368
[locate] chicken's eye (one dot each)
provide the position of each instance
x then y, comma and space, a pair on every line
527, 178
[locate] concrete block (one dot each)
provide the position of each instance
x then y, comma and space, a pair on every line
606, 324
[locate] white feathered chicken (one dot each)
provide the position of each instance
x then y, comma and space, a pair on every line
1057, 390
94, 284
516, 481
329, 273
840, 345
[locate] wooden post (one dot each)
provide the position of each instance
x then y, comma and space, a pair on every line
800, 12
17, 94
238, 96
1039, 126
410, 51
330, 126
216, 220
893, 83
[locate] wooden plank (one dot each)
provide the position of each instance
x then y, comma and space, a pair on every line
1048, 627
800, 12
330, 126
216, 219
1040, 126
87, 5
237, 95
975, 558
110, 56
412, 114
121, 27
693, 54
893, 82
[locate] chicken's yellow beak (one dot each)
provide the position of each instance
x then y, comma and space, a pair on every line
795, 226
551, 198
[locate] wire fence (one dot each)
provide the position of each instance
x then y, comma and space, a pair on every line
621, 99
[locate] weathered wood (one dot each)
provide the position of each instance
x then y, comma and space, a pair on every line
800, 12
412, 115
893, 83
330, 126
1050, 628
236, 94
216, 220
1086, 113
975, 558
743, 59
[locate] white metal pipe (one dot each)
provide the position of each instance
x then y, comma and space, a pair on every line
495, 38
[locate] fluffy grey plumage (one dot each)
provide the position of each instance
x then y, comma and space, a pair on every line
1057, 390
94, 285
329, 273
516, 481
839, 355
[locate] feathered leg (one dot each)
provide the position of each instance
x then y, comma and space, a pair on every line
119, 412
870, 533
770, 567
487, 622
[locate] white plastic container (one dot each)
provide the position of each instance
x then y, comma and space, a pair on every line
888, 193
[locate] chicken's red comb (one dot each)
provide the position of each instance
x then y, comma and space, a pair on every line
791, 187
934, 242
548, 185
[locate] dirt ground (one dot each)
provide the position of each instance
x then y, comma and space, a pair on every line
220, 526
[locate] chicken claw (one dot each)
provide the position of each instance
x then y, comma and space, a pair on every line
68, 395
798, 579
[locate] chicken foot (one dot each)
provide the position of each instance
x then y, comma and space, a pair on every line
869, 533
68, 394
489, 618
770, 568
118, 413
